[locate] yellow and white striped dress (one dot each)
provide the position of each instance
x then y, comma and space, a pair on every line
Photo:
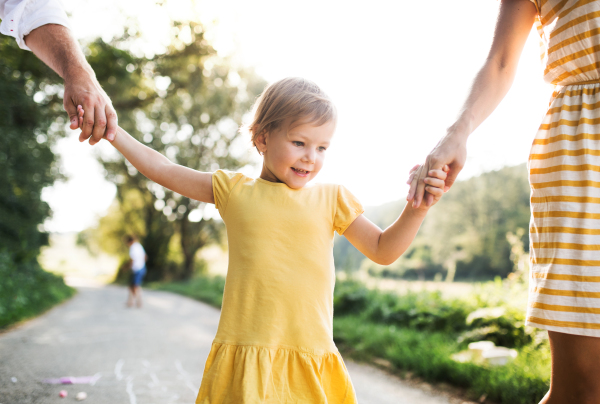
564, 172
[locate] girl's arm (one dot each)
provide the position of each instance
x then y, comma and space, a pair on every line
489, 88
156, 167
385, 247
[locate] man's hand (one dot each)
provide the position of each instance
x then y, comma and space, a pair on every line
451, 151
56, 47
100, 118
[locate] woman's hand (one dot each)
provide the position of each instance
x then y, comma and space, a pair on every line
490, 86
448, 155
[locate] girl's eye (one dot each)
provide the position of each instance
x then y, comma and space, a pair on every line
299, 144
322, 148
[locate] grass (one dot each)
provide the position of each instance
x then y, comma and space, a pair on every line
27, 290
428, 355
208, 289
419, 333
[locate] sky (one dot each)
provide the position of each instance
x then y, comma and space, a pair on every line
398, 72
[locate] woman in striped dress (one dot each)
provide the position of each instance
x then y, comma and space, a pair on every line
564, 168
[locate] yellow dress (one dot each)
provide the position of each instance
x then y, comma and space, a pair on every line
275, 343
564, 172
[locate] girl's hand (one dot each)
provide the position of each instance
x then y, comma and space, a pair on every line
80, 113
450, 153
435, 183
411, 173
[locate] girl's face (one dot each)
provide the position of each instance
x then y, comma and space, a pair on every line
295, 156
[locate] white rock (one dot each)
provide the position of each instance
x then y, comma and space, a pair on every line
477, 348
82, 395
499, 356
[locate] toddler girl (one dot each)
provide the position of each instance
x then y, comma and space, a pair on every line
275, 343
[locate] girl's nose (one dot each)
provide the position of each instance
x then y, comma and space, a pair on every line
309, 157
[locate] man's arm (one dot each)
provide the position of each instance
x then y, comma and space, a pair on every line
56, 46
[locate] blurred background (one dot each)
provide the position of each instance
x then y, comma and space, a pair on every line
183, 75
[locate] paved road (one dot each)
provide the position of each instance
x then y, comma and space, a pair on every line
147, 356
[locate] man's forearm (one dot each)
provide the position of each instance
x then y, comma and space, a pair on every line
55, 45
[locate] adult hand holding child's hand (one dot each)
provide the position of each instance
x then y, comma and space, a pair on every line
55, 45
448, 155
434, 181
100, 120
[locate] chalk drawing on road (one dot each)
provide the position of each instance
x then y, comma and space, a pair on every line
129, 389
155, 381
118, 368
185, 377
173, 399
95, 378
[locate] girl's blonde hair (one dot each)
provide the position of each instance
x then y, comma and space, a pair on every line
295, 99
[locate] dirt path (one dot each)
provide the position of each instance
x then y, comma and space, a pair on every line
152, 355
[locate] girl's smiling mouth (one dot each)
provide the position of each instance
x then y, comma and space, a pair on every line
300, 172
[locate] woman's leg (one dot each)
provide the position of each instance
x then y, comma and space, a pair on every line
575, 369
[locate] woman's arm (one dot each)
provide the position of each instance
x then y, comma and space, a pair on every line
385, 247
156, 167
489, 88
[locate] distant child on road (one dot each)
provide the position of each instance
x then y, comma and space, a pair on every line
137, 264
275, 343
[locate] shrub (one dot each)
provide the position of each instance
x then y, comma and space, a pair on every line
27, 290
424, 311
350, 296
501, 325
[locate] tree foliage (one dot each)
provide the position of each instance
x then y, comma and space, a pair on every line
31, 120
186, 103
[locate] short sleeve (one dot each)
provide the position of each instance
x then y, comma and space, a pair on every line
222, 184
20, 17
348, 208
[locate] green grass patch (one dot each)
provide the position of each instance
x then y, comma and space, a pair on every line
428, 355
27, 290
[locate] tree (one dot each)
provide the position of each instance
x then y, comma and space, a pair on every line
187, 103
31, 120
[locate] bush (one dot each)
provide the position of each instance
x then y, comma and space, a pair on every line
425, 311
429, 311
501, 325
27, 290
350, 297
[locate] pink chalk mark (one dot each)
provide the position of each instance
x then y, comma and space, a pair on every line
74, 380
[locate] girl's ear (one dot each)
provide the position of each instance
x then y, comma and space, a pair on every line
261, 142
